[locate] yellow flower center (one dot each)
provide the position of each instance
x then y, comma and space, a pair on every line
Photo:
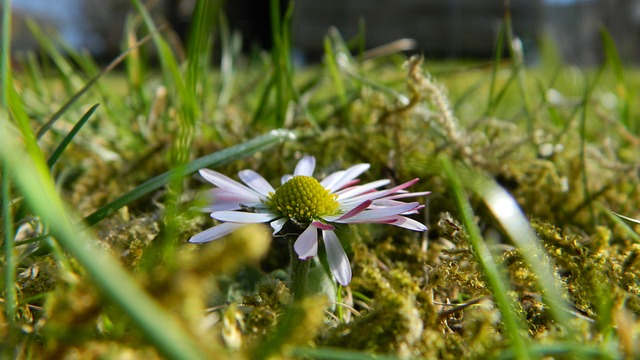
303, 199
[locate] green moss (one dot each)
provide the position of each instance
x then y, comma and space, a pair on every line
412, 294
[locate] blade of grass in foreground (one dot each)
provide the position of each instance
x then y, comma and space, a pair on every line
507, 212
33, 179
495, 277
9, 267
215, 159
338, 354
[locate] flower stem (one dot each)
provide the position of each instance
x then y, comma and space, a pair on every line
299, 271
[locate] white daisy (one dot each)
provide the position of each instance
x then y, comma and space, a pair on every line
314, 206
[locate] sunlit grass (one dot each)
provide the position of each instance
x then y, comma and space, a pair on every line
527, 166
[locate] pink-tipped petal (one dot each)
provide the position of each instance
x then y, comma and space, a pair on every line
305, 166
256, 182
380, 213
355, 211
228, 184
337, 258
243, 217
349, 184
408, 194
322, 226
215, 232
306, 245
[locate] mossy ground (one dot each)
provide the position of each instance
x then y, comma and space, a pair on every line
563, 141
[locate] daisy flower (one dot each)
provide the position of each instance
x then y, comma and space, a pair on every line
313, 206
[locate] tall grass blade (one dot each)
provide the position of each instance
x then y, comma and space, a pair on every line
332, 65
67, 139
71, 79
5, 57
492, 101
9, 268
494, 275
281, 60
507, 212
200, 41
230, 49
625, 93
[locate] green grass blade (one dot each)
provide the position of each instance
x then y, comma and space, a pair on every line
623, 91
612, 55
33, 179
261, 107
332, 67
583, 155
67, 72
492, 101
200, 41
281, 60
5, 57
9, 268
67, 139
239, 151
230, 45
115, 62
621, 221
494, 275
507, 212
562, 349
338, 354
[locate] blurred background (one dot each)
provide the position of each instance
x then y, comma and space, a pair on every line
441, 28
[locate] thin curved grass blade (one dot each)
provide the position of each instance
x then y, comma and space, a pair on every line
513, 221
67, 139
495, 275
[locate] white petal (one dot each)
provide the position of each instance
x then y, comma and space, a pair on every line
337, 258
305, 166
408, 194
358, 190
256, 182
348, 175
331, 178
228, 184
285, 178
381, 194
215, 232
409, 223
243, 217
306, 245
223, 199
379, 213
277, 225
